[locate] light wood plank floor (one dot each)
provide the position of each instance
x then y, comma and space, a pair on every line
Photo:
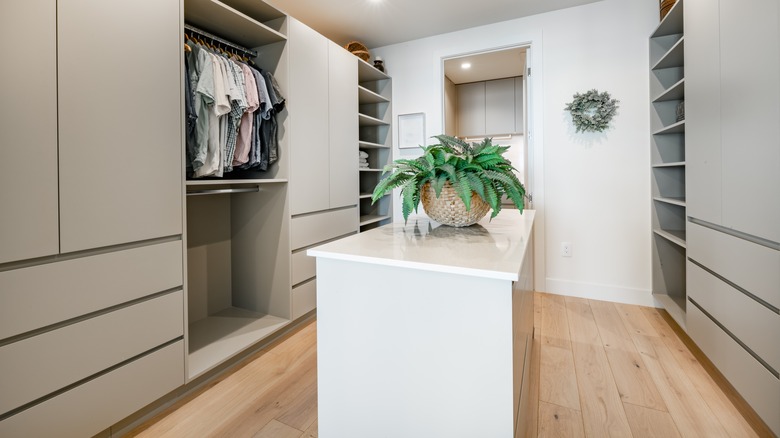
600, 369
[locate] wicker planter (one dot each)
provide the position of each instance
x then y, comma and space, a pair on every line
448, 209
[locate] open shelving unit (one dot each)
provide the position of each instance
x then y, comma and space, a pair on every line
375, 138
238, 227
667, 90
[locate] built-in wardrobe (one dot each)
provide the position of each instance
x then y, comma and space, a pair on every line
716, 217
91, 277
124, 283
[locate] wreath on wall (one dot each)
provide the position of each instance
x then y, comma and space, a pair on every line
592, 111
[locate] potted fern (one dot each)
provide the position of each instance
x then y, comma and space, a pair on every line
457, 183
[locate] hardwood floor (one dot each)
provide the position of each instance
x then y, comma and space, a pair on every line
601, 369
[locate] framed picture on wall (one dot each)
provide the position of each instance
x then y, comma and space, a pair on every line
411, 130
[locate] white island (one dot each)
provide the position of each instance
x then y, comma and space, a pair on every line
425, 330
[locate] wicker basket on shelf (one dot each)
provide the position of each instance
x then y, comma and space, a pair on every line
448, 209
358, 50
666, 5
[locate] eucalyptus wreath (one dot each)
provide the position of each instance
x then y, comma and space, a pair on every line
592, 111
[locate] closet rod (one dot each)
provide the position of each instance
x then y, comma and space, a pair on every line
216, 39
223, 191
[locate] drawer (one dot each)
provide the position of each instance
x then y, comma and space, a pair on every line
748, 320
304, 298
304, 267
37, 366
752, 267
758, 387
38, 296
90, 408
314, 228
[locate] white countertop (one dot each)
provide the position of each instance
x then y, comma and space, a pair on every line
489, 249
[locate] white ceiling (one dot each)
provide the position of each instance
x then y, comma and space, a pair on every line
378, 23
486, 66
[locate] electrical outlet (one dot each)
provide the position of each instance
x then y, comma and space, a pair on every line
566, 249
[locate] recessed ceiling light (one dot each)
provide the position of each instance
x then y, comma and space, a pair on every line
465, 65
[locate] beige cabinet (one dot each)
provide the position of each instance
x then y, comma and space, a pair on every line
500, 106
733, 217
343, 126
309, 136
90, 162
119, 91
490, 108
324, 132
471, 109
28, 130
750, 132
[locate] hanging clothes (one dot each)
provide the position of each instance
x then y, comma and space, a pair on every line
231, 112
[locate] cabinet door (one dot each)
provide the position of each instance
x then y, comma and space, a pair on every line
471, 109
343, 124
500, 106
308, 102
519, 104
28, 130
750, 111
702, 111
120, 116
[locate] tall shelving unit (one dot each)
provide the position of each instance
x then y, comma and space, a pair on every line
238, 228
375, 138
667, 90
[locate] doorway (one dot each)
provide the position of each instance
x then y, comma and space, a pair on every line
486, 95
525, 145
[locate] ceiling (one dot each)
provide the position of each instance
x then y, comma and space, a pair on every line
496, 64
378, 23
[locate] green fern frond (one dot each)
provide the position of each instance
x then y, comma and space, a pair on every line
463, 189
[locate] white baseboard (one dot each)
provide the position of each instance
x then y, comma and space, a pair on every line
603, 292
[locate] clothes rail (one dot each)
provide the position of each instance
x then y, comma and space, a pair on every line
192, 29
223, 191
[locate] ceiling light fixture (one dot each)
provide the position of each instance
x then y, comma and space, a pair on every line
465, 65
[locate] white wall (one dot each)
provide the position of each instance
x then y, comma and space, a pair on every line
590, 189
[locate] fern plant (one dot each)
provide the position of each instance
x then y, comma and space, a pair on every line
480, 168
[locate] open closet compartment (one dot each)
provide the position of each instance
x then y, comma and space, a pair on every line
668, 176
237, 227
375, 140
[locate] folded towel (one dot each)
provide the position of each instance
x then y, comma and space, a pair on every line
363, 154
362, 160
363, 165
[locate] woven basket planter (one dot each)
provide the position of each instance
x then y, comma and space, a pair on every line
358, 49
448, 209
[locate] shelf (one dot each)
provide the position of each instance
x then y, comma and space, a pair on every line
370, 145
669, 200
370, 170
675, 92
675, 236
215, 339
367, 72
260, 11
673, 58
372, 218
365, 196
674, 128
367, 96
672, 23
675, 164
365, 120
228, 23
674, 305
